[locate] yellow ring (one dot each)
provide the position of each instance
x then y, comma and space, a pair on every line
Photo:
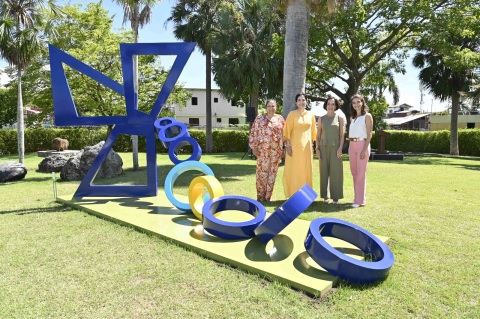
195, 192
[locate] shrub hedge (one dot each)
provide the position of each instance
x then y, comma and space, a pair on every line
235, 140
432, 142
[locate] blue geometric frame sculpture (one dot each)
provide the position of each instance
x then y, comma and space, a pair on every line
135, 122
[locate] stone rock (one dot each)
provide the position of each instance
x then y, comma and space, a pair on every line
53, 163
77, 166
12, 171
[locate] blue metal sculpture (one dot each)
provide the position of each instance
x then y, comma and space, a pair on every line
286, 213
174, 173
232, 230
134, 123
341, 265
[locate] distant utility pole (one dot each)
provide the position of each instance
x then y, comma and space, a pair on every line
422, 88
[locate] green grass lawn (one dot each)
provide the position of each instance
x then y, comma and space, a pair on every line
56, 262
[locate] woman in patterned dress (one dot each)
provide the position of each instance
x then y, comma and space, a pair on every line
266, 143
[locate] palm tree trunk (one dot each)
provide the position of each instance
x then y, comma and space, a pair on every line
296, 47
454, 149
20, 122
208, 86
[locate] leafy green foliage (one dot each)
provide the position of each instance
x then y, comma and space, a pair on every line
378, 107
8, 106
351, 44
449, 56
23, 29
246, 60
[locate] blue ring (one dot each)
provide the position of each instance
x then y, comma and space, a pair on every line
171, 132
178, 170
341, 265
160, 123
286, 213
181, 142
232, 230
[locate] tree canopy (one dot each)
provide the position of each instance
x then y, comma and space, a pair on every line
449, 57
351, 44
247, 61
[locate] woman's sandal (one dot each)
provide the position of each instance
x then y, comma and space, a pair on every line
335, 202
325, 200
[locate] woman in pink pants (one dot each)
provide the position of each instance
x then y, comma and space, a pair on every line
359, 135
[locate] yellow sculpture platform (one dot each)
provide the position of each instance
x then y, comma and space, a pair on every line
284, 258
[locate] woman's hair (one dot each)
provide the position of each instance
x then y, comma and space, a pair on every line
337, 103
270, 100
364, 105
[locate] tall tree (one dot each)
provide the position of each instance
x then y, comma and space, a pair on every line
444, 83
22, 26
247, 61
196, 21
138, 12
296, 46
349, 45
450, 56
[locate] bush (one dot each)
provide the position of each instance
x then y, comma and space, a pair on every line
432, 142
234, 140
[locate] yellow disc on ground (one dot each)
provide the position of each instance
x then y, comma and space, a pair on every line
195, 192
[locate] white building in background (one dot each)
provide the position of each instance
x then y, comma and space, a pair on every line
224, 113
399, 108
4, 79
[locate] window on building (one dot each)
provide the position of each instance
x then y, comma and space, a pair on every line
194, 121
215, 100
470, 125
219, 120
194, 100
233, 121
233, 103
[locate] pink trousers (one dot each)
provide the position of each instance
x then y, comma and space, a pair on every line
358, 167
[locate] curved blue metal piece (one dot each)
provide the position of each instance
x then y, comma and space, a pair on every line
171, 132
160, 123
181, 142
172, 176
232, 230
341, 265
286, 213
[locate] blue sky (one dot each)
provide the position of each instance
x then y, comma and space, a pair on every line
193, 75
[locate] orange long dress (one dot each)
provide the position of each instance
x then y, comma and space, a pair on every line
301, 130
266, 136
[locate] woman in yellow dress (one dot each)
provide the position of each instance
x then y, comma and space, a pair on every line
299, 132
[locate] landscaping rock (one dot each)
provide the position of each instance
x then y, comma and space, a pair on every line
12, 171
77, 166
53, 163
